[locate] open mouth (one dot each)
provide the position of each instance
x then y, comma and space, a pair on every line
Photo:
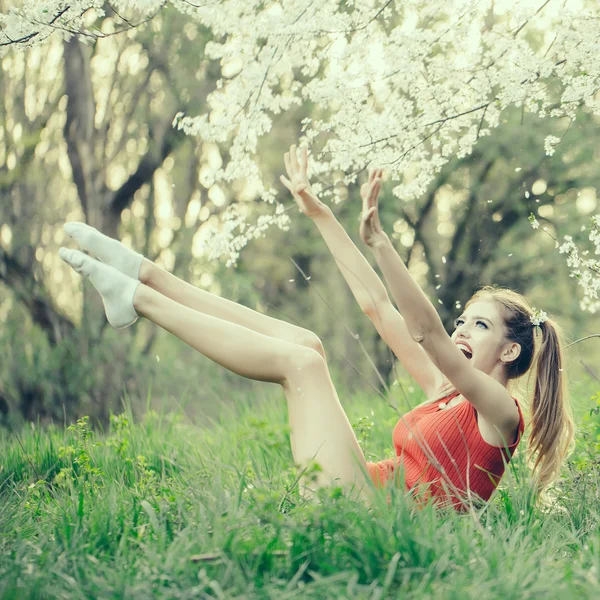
465, 349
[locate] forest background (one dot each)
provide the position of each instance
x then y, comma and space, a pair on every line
490, 132
86, 133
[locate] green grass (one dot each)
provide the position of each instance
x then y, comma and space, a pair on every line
167, 509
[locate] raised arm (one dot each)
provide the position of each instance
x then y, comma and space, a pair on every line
365, 284
425, 327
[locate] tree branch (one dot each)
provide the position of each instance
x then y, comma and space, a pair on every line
35, 298
148, 165
30, 36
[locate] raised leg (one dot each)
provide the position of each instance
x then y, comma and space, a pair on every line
113, 253
200, 300
320, 429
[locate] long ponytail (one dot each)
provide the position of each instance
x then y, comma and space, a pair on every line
552, 425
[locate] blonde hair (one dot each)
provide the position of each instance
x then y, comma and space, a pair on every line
552, 434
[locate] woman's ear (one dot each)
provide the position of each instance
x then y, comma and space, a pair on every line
511, 352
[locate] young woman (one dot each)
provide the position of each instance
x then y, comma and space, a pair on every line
455, 445
442, 445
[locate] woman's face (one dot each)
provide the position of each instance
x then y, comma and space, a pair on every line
479, 332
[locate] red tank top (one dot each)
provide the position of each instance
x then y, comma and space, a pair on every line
444, 455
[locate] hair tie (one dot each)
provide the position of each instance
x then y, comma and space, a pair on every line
538, 317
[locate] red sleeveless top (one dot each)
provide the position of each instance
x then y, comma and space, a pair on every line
444, 455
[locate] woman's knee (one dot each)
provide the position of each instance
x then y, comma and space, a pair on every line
303, 361
311, 340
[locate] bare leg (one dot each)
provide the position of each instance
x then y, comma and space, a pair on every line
320, 428
111, 252
184, 293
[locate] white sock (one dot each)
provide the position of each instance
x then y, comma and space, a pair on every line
116, 289
108, 250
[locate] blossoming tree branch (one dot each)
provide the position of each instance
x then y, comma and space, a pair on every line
401, 85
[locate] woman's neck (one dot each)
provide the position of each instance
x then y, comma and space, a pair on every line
443, 391
446, 389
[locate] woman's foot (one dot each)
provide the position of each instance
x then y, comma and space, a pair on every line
117, 290
109, 251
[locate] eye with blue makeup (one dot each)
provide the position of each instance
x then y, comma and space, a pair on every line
459, 321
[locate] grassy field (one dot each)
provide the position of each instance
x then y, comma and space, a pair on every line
163, 508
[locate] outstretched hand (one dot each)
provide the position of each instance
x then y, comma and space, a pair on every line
297, 170
370, 230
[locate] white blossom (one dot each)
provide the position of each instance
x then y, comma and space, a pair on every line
585, 270
550, 144
407, 86
535, 224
